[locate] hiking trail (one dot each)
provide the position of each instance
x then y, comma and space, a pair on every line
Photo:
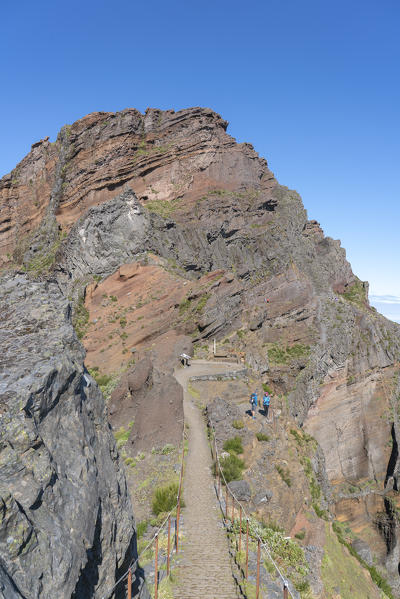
203, 564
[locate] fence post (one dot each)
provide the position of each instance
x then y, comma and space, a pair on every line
247, 549
130, 584
169, 538
285, 591
240, 529
258, 570
233, 509
219, 482
226, 502
177, 525
178, 510
156, 569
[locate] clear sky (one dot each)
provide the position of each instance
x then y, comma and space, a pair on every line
313, 85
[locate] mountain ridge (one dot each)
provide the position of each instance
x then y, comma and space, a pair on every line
164, 233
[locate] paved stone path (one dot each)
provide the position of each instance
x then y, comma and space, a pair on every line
204, 570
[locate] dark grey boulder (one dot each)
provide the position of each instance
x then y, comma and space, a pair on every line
262, 496
240, 489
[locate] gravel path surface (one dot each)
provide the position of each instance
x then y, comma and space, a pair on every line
204, 569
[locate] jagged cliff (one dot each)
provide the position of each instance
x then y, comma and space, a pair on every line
182, 235
66, 519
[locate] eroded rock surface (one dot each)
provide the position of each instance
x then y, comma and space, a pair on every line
67, 528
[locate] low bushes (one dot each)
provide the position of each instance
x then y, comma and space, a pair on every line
232, 467
234, 445
164, 498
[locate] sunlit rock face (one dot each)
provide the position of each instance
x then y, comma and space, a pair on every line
162, 224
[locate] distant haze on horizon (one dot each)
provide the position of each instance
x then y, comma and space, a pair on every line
388, 305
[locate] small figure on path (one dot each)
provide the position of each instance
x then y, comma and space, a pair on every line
185, 360
253, 403
266, 402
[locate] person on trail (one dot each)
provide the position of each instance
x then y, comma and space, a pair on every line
266, 402
253, 403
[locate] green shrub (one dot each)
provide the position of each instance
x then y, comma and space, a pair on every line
315, 489
300, 535
238, 424
141, 528
285, 475
164, 207
103, 379
80, 318
262, 437
234, 445
232, 467
266, 388
202, 302
287, 552
184, 305
271, 525
285, 355
303, 586
168, 448
122, 435
320, 512
356, 293
106, 382
164, 498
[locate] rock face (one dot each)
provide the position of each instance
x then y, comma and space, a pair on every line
161, 226
67, 528
150, 397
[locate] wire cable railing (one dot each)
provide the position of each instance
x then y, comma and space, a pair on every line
261, 544
171, 546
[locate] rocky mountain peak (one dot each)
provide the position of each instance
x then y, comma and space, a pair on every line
159, 233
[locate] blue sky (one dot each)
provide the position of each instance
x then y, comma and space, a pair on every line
313, 85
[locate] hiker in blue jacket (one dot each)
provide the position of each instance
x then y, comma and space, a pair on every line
266, 402
253, 402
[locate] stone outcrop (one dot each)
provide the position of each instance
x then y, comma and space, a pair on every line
161, 226
149, 396
67, 528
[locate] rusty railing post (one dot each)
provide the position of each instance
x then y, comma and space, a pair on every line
219, 482
226, 502
233, 509
247, 549
156, 569
130, 584
169, 541
258, 570
178, 511
240, 528
285, 591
